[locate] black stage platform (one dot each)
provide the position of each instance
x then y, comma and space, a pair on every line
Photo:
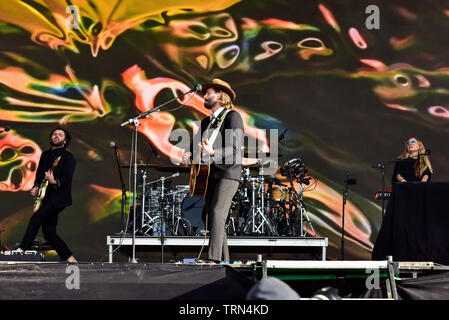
121, 281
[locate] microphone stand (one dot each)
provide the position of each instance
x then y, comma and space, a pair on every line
382, 166
123, 191
345, 196
348, 182
293, 200
135, 122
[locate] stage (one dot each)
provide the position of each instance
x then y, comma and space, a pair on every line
241, 248
195, 282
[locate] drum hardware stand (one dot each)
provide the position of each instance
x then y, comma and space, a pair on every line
242, 202
144, 213
176, 224
230, 225
173, 213
259, 210
176, 214
268, 202
162, 206
304, 213
302, 209
230, 222
135, 122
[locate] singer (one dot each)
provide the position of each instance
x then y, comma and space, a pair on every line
414, 164
226, 164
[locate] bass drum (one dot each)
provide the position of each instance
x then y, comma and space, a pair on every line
192, 210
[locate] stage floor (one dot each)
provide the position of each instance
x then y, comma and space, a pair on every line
175, 281
240, 247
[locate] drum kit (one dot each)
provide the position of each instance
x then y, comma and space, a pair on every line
262, 205
266, 207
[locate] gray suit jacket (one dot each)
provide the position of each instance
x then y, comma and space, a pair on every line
227, 160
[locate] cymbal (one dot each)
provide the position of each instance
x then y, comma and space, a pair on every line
160, 168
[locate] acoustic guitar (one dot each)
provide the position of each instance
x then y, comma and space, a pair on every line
199, 177
43, 188
200, 171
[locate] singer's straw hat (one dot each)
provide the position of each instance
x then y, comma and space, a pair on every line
221, 85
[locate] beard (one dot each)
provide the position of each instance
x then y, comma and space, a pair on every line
57, 144
208, 104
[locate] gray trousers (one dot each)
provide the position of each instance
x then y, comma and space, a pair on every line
218, 202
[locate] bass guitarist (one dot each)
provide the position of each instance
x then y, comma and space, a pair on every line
225, 158
58, 194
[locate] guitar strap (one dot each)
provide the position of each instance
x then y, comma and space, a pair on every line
221, 117
214, 134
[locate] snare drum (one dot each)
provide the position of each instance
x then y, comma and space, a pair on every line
280, 193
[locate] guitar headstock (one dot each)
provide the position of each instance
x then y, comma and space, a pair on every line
55, 163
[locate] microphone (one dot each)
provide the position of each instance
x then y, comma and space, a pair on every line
426, 153
282, 135
113, 145
196, 88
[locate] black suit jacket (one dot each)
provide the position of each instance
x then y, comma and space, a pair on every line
60, 194
227, 160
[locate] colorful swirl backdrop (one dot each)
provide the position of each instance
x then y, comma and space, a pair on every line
349, 96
